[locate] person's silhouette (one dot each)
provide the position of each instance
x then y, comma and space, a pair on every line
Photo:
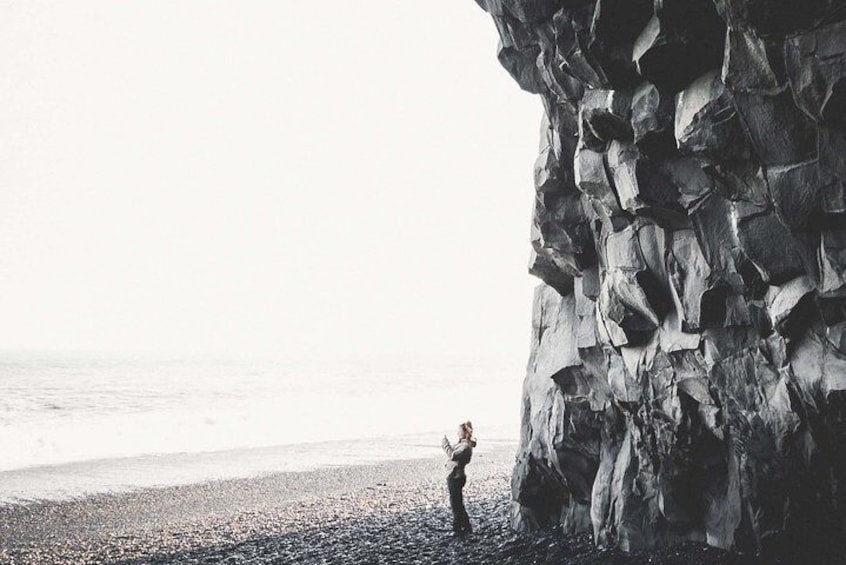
458, 458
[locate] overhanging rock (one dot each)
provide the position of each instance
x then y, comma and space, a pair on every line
687, 379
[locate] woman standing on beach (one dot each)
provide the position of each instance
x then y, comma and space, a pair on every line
458, 458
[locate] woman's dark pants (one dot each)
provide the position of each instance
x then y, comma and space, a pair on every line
460, 519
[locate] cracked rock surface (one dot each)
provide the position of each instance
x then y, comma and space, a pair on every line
687, 380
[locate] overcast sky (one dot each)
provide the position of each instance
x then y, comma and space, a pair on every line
287, 176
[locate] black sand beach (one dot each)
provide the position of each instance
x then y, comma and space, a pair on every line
394, 512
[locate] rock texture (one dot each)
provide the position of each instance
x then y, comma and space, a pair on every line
688, 373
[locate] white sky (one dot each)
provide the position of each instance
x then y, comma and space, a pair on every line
288, 176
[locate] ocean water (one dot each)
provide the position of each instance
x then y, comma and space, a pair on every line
75, 424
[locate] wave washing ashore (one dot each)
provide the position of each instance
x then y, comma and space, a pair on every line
80, 424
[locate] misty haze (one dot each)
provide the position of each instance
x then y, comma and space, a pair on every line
266, 296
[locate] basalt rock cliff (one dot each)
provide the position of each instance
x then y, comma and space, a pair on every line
687, 379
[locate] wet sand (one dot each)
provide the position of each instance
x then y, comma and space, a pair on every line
395, 512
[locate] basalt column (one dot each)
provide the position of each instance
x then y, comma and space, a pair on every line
688, 373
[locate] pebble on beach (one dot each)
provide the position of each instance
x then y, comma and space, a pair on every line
395, 513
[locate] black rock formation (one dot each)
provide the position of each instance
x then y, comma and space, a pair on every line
688, 373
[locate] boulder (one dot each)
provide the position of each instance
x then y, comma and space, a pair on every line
604, 116
625, 311
750, 63
633, 295
761, 232
690, 277
544, 268
591, 177
521, 65
560, 231
795, 190
779, 132
816, 66
641, 186
686, 175
553, 173
652, 120
707, 125
712, 220
783, 304
573, 39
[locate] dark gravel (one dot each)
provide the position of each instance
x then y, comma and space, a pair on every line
418, 537
393, 513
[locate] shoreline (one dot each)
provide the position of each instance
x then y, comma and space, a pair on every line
393, 512
117, 526
79, 479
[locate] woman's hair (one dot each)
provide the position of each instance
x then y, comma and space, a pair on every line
467, 429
